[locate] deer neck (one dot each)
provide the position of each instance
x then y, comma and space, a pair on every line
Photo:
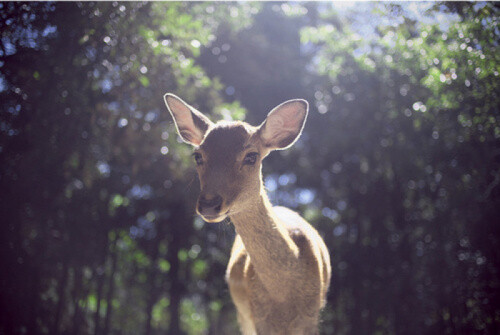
272, 252
259, 211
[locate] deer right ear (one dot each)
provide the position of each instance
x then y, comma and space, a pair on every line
284, 124
191, 124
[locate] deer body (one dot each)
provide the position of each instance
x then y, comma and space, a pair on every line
279, 270
284, 294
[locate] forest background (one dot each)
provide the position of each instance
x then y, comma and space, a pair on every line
398, 166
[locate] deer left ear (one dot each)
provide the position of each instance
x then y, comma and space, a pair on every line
284, 124
191, 124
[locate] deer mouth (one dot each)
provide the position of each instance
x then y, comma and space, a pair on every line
212, 218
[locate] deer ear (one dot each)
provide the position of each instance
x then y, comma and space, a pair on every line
191, 124
284, 124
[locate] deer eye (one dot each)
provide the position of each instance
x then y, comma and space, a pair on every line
250, 158
198, 158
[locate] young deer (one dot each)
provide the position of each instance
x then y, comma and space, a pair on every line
279, 270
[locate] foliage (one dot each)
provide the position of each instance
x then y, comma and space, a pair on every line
398, 166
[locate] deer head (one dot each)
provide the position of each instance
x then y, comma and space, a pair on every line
228, 155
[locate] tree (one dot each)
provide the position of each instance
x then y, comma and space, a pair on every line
397, 168
86, 168
411, 183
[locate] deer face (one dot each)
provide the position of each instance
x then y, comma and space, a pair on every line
228, 164
228, 155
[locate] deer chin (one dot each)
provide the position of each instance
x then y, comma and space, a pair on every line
214, 218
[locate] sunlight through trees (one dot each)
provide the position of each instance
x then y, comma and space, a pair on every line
398, 166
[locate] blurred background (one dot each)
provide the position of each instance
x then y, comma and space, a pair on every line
398, 166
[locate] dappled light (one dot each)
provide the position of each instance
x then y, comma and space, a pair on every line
398, 166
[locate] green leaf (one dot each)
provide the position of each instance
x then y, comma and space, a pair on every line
144, 81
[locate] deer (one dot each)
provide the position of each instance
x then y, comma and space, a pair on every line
279, 269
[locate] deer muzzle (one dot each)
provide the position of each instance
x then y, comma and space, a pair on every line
209, 207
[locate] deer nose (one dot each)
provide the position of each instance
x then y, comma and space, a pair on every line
208, 203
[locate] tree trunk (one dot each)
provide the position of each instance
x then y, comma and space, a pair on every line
111, 286
76, 297
100, 271
33, 299
176, 286
153, 290
403, 287
61, 296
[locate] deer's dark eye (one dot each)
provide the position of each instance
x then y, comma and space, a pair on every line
198, 158
250, 158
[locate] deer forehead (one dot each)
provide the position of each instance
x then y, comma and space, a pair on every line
226, 140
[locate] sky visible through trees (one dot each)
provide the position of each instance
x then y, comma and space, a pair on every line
398, 166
